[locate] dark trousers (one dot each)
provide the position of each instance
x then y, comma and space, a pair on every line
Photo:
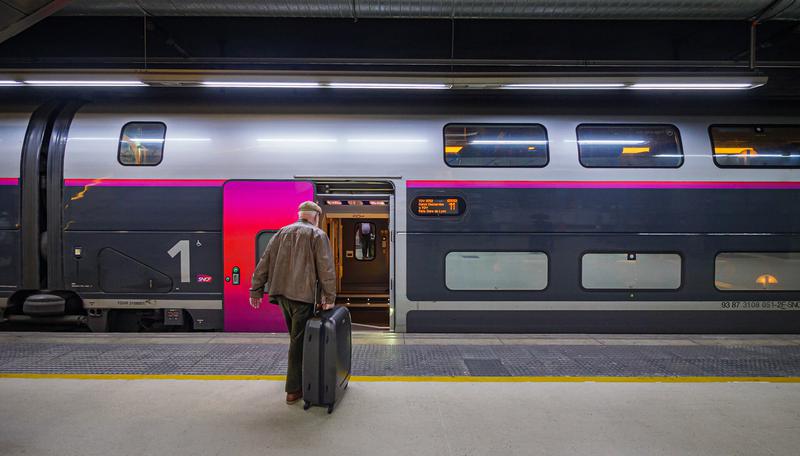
296, 314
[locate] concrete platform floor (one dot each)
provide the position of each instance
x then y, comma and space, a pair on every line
229, 417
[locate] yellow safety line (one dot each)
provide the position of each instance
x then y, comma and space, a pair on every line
463, 379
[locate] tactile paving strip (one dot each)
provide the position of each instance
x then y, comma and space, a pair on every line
408, 360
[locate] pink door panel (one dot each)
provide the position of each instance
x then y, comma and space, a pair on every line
249, 208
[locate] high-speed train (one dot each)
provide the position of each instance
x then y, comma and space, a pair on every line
128, 214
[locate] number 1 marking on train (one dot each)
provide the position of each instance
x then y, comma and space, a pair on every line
182, 247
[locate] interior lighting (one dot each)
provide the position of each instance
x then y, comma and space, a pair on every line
383, 85
636, 150
66, 83
735, 151
693, 86
766, 280
9, 83
263, 85
614, 85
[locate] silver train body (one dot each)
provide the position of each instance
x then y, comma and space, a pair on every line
105, 237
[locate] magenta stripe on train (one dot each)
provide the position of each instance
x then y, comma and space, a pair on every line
9, 181
144, 182
454, 184
603, 184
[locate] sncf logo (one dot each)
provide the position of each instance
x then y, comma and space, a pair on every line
203, 278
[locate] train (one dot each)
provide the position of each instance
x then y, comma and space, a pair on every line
149, 213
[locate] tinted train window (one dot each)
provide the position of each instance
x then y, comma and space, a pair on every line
496, 270
631, 271
262, 240
629, 146
495, 145
766, 271
141, 143
767, 146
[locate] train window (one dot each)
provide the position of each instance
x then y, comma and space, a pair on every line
365, 241
496, 270
631, 271
766, 271
495, 145
262, 240
776, 146
141, 143
629, 146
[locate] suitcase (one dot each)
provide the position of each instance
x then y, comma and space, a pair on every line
326, 358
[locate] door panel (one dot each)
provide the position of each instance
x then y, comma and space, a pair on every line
250, 208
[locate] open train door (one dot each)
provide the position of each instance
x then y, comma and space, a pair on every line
252, 211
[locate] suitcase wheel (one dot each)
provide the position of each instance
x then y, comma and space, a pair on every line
306, 405
330, 409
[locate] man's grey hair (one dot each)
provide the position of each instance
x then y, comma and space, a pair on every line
307, 214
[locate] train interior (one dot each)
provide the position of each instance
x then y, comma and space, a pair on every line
356, 217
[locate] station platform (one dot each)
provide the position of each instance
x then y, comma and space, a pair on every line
209, 393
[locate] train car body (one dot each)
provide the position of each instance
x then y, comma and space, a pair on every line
157, 211
13, 125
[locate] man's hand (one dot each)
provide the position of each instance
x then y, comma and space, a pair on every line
326, 305
255, 302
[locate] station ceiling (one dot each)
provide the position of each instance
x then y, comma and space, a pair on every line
437, 9
456, 36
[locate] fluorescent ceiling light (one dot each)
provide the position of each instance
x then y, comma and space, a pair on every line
693, 86
188, 139
76, 138
387, 140
66, 83
263, 85
9, 83
508, 141
590, 85
297, 140
382, 85
609, 141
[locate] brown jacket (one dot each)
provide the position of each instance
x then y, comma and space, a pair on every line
296, 257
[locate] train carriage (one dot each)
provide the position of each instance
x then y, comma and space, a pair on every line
540, 218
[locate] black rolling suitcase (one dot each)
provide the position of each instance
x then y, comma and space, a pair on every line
326, 358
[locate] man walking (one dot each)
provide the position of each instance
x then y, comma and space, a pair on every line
296, 258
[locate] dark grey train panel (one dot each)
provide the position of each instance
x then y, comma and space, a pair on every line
614, 210
609, 322
143, 208
162, 265
426, 253
9, 207
10, 278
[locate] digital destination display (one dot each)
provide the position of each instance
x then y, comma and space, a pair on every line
435, 206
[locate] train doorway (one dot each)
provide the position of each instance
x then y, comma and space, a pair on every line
357, 216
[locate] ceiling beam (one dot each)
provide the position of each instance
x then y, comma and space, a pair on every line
31, 19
